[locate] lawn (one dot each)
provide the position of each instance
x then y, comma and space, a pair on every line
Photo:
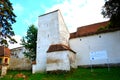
77, 74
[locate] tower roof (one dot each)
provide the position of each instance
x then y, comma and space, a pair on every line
49, 13
59, 47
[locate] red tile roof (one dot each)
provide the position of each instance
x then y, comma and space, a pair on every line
59, 47
89, 30
4, 52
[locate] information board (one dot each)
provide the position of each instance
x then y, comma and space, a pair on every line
98, 55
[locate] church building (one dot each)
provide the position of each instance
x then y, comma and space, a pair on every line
57, 49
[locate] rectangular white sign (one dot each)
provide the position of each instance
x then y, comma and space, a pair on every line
98, 55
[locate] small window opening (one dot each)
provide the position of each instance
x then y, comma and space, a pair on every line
6, 60
0, 60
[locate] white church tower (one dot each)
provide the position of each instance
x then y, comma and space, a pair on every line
51, 30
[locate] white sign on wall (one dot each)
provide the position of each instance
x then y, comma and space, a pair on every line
98, 55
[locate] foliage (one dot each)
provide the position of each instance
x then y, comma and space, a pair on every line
103, 28
111, 9
77, 74
29, 42
7, 18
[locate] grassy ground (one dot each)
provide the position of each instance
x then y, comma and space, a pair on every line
78, 74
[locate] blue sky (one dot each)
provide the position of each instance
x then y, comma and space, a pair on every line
76, 13
27, 12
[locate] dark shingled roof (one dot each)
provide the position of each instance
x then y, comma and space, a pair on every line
59, 47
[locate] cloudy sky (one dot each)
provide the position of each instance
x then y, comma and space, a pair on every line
76, 13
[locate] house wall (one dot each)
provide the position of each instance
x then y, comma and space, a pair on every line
18, 52
109, 42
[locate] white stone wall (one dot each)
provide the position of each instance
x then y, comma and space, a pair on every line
61, 60
109, 42
47, 34
50, 28
72, 59
58, 60
64, 33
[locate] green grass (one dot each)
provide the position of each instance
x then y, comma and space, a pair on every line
77, 74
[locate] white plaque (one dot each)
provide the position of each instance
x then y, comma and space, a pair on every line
98, 55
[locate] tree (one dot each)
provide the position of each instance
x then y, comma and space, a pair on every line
111, 9
29, 42
7, 18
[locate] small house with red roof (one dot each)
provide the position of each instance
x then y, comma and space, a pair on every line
4, 56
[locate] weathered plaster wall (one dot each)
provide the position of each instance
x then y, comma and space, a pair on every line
18, 61
58, 61
20, 64
110, 42
61, 60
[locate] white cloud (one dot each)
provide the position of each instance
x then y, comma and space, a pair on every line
18, 39
77, 13
18, 9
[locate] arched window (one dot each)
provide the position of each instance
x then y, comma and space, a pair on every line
6, 60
